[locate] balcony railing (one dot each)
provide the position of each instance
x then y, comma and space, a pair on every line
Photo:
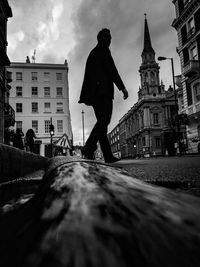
191, 68
9, 115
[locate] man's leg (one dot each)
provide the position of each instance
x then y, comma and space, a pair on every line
103, 111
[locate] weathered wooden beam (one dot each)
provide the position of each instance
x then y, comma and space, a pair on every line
90, 214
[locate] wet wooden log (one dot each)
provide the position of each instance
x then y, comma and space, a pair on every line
89, 214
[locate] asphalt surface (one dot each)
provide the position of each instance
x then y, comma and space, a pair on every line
179, 173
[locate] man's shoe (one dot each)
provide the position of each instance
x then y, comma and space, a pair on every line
112, 159
87, 154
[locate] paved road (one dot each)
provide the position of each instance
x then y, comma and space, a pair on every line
181, 173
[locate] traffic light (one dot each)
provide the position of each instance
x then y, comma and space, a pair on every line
51, 128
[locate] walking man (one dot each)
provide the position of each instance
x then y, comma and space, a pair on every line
98, 91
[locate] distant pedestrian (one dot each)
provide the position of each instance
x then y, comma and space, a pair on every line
98, 91
29, 140
17, 139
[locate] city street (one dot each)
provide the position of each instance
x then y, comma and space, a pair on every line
180, 173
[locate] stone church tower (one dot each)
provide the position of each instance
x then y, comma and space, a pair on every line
149, 70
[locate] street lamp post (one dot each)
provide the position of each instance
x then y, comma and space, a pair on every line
51, 129
175, 98
83, 127
173, 79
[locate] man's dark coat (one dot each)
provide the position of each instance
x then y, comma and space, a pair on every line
100, 76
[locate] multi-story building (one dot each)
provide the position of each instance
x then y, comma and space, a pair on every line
146, 128
7, 115
39, 95
113, 138
187, 25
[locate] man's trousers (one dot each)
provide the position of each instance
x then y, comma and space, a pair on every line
103, 111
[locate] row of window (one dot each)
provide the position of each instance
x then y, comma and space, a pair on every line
155, 117
59, 124
34, 76
114, 139
190, 27
114, 132
34, 107
193, 93
34, 91
157, 140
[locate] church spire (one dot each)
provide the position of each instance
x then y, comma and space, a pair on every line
149, 69
148, 49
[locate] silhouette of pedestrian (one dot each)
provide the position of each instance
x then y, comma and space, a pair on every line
30, 135
17, 139
98, 91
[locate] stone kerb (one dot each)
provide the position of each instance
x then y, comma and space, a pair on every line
15, 163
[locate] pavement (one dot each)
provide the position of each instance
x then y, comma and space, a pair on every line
179, 173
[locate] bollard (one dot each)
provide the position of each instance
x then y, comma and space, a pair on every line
87, 213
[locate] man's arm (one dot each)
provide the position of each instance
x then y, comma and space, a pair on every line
111, 68
125, 92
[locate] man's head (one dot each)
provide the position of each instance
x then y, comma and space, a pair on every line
104, 37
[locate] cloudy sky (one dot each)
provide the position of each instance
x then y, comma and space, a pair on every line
61, 29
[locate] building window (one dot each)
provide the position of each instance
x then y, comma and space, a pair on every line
196, 91
19, 76
35, 126
59, 91
19, 108
180, 6
190, 27
186, 56
184, 34
46, 126
189, 94
46, 76
59, 76
47, 91
181, 102
34, 91
197, 20
47, 107
34, 107
59, 126
193, 53
19, 125
34, 76
158, 142
59, 108
152, 76
155, 118
143, 141
18, 91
